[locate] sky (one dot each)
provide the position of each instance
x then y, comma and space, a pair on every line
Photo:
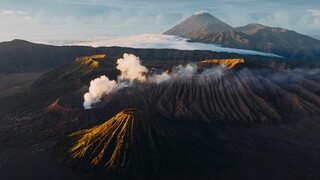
56, 20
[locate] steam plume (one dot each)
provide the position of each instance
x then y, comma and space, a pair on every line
159, 78
131, 68
99, 87
132, 71
187, 69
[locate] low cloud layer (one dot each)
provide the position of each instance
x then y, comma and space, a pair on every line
160, 41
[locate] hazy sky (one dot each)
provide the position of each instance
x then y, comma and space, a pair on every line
40, 20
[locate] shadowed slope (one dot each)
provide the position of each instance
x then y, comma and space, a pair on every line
243, 95
139, 144
240, 95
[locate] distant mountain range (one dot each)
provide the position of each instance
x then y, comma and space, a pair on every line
203, 27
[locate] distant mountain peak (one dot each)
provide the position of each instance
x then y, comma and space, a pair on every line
250, 28
201, 13
253, 28
199, 23
256, 25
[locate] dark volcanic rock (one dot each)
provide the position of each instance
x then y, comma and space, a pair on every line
251, 120
137, 144
240, 96
243, 95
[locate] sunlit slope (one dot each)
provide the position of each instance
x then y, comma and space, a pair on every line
229, 63
140, 144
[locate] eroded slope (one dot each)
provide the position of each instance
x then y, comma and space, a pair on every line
138, 144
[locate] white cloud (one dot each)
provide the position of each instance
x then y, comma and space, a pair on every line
307, 22
22, 12
4, 12
302, 21
27, 17
159, 19
315, 12
159, 41
237, 17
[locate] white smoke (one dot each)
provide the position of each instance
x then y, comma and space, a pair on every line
99, 87
190, 68
216, 71
132, 71
131, 68
159, 78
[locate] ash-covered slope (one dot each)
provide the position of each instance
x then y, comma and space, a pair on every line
138, 144
173, 129
241, 95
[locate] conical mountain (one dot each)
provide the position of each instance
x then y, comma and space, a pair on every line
198, 23
137, 144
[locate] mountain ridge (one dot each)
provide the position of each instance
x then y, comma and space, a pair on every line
20, 56
253, 36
